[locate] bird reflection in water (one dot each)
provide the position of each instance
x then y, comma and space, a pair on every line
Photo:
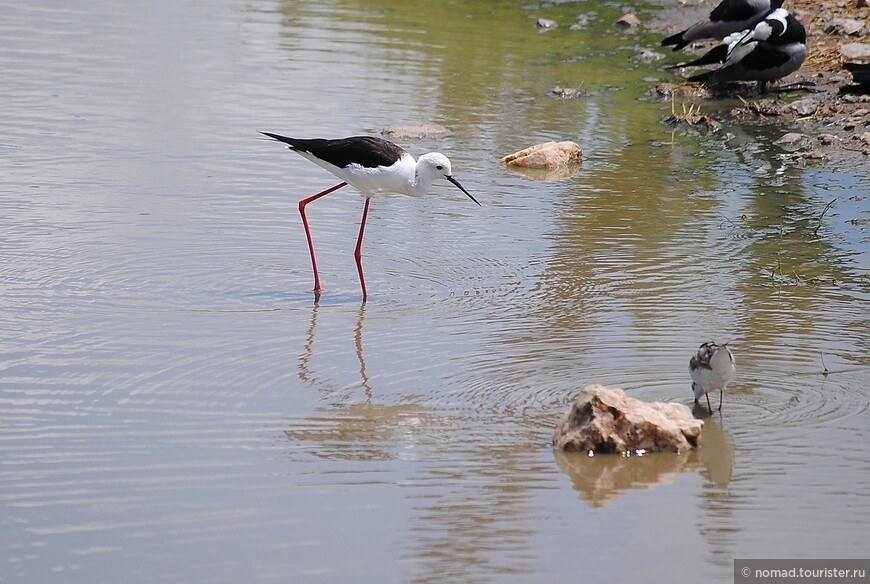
307, 376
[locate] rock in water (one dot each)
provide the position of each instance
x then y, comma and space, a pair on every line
546, 155
415, 132
607, 420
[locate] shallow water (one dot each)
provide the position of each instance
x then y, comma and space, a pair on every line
174, 405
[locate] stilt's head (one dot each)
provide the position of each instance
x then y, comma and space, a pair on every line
436, 165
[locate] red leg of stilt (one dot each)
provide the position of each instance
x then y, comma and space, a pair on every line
302, 204
357, 254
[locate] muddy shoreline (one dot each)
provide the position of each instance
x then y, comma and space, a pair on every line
832, 124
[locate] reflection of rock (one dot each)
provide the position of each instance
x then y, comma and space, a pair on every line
415, 132
547, 155
600, 479
606, 420
547, 174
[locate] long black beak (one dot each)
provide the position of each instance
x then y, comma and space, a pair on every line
461, 188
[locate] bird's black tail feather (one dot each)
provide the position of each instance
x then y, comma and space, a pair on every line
292, 142
860, 71
676, 40
701, 77
717, 54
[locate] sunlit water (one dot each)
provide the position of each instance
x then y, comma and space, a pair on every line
175, 407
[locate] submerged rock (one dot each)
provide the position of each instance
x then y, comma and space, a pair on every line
546, 155
793, 141
566, 92
606, 420
546, 24
415, 132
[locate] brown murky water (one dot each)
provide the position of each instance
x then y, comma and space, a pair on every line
174, 406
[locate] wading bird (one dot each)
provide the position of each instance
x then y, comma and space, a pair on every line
374, 166
711, 368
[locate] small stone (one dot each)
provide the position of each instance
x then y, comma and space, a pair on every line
853, 51
546, 155
865, 138
791, 141
628, 21
415, 132
828, 139
810, 155
546, 24
803, 107
566, 92
648, 56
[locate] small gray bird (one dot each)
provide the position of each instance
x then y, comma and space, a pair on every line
711, 368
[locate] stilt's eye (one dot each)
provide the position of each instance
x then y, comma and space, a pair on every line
439, 167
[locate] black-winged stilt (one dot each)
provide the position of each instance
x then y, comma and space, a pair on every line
776, 47
728, 17
373, 166
711, 368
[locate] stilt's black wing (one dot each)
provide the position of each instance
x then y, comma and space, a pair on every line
366, 151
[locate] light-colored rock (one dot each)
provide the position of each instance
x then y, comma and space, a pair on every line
546, 155
845, 26
546, 24
803, 107
566, 92
854, 51
606, 420
648, 56
792, 141
415, 132
628, 21
828, 139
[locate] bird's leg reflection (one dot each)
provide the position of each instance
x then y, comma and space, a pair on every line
308, 349
357, 338
305, 358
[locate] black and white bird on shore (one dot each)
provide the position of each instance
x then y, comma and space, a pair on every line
374, 166
776, 47
860, 75
728, 17
711, 368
